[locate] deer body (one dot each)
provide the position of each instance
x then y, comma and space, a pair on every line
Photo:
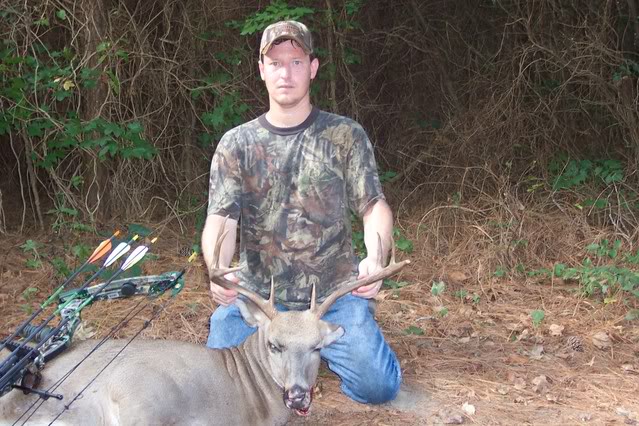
158, 382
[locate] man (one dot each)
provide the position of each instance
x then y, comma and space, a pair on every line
293, 176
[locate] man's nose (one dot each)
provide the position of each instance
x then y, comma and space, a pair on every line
285, 71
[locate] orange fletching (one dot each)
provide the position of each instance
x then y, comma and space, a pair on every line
101, 250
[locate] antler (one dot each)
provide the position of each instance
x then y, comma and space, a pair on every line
392, 268
216, 275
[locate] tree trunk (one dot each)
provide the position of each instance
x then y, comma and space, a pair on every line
96, 174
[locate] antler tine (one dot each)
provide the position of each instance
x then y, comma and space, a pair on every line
216, 275
391, 269
313, 298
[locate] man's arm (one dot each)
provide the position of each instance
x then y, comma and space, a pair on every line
378, 220
210, 234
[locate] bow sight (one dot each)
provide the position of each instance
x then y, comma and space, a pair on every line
33, 345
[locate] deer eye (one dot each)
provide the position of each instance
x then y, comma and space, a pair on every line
273, 348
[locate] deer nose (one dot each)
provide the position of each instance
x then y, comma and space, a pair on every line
295, 395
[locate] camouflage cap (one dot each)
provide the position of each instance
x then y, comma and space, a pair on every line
290, 30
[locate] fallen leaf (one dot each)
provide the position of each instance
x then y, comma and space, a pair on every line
585, 417
468, 409
552, 398
514, 359
449, 417
457, 276
524, 335
601, 340
556, 330
537, 352
502, 390
519, 383
540, 384
83, 332
629, 368
517, 327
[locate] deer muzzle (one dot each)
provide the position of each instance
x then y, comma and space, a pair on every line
298, 399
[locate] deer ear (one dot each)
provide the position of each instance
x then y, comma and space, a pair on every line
330, 333
253, 315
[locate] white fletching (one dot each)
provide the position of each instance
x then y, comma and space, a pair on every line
117, 253
134, 257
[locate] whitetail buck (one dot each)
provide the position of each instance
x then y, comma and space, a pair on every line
160, 382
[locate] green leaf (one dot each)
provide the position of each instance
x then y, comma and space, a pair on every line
138, 229
437, 288
632, 315
135, 127
61, 14
80, 251
33, 263
416, 331
30, 246
537, 317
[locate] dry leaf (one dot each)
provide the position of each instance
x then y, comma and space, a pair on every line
540, 384
449, 417
556, 330
516, 360
468, 409
83, 332
68, 84
601, 340
457, 276
552, 398
585, 417
517, 327
502, 390
524, 335
629, 369
519, 383
537, 352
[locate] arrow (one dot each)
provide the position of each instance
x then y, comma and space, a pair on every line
102, 249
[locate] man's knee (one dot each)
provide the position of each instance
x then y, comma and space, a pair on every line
227, 328
374, 387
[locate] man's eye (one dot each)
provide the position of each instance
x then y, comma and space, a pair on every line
274, 348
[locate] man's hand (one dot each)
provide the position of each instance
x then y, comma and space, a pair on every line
367, 267
223, 296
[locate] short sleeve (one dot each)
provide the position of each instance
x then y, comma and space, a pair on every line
225, 184
362, 180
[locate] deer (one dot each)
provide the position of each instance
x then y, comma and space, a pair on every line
162, 382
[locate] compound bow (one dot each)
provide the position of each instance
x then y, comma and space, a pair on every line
21, 369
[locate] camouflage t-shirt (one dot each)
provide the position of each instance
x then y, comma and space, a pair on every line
293, 190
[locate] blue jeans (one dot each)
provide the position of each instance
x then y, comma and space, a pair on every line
366, 365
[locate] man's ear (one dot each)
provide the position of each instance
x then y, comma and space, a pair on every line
260, 65
253, 315
330, 333
314, 67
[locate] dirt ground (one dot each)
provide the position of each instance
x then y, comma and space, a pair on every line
469, 355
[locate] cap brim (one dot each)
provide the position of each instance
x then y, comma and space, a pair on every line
285, 37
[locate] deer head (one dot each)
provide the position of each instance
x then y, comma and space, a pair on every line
290, 342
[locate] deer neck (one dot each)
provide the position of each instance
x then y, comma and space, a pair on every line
248, 365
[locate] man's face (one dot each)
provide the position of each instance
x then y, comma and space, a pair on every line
287, 72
